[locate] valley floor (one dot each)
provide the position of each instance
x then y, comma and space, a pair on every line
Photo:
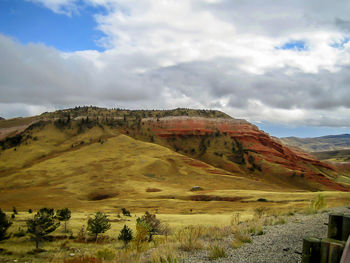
266, 236
279, 243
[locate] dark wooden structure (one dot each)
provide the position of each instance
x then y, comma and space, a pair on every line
330, 249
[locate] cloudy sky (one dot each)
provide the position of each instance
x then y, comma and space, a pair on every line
283, 65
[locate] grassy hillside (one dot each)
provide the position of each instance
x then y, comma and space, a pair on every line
334, 156
119, 158
100, 167
325, 143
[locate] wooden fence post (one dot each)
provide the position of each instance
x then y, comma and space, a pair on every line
345, 227
311, 250
335, 224
331, 250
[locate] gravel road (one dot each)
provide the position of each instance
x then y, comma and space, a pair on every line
280, 243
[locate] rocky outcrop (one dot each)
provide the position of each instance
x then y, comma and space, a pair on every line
252, 140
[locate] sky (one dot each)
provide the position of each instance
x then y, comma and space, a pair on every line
282, 65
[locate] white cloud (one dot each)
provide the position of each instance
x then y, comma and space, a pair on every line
193, 53
66, 7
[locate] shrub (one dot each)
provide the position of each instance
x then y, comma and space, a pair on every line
4, 225
30, 211
125, 235
41, 225
98, 224
142, 233
20, 233
318, 203
14, 210
216, 252
48, 211
154, 225
64, 215
125, 212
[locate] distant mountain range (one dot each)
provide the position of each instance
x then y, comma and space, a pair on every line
319, 144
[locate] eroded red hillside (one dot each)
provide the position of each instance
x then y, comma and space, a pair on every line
254, 142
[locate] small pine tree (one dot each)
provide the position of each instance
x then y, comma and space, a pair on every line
4, 225
13, 216
63, 215
125, 235
14, 210
98, 224
41, 225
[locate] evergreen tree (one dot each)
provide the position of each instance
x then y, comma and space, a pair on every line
125, 235
63, 215
41, 225
4, 225
98, 224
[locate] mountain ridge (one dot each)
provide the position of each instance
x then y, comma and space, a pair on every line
319, 144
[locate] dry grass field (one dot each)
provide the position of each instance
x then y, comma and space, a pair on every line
90, 167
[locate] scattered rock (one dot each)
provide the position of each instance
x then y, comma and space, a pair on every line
196, 188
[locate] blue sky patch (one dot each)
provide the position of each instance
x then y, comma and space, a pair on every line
280, 130
340, 44
33, 23
296, 45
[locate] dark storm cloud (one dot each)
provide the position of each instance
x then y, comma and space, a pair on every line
36, 74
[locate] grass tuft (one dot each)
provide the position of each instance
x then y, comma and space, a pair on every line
216, 252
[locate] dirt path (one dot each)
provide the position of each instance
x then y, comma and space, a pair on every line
279, 244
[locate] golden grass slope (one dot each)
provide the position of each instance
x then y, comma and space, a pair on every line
115, 172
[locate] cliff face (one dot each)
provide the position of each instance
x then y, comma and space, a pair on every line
238, 146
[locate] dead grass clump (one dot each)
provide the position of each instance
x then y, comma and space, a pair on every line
189, 238
317, 204
151, 190
235, 219
165, 254
236, 243
106, 254
256, 229
243, 237
260, 212
216, 252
